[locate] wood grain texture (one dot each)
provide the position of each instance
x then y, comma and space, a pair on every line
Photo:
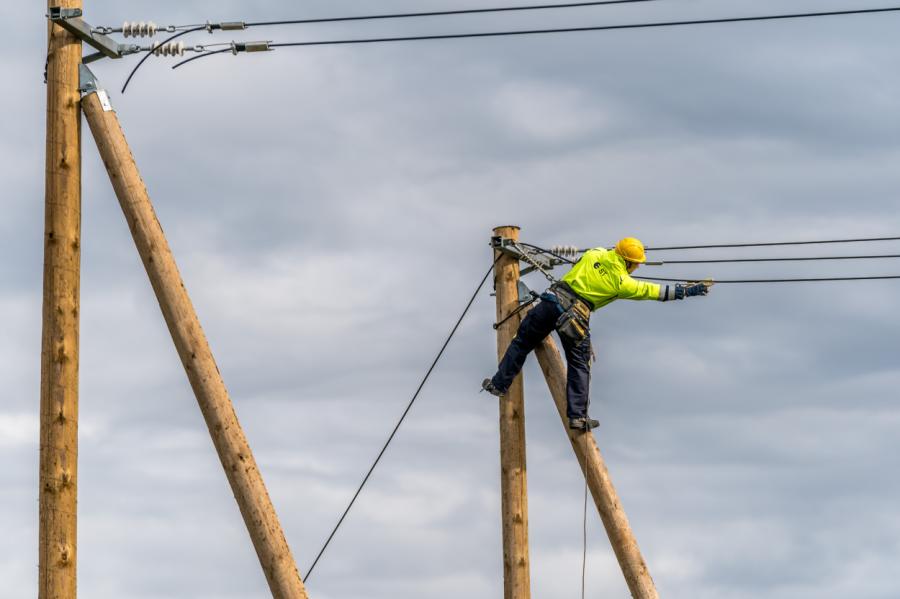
196, 356
513, 486
58, 492
625, 546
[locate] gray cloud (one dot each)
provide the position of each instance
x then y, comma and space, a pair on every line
330, 210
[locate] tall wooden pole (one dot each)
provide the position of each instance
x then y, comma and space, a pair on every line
58, 492
611, 513
196, 356
513, 480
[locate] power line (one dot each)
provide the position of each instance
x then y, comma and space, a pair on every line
150, 52
742, 281
658, 24
770, 244
184, 62
534, 7
799, 259
442, 13
747, 281
402, 418
573, 251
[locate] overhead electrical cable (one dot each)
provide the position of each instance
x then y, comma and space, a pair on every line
402, 418
798, 259
149, 53
185, 29
184, 62
488, 34
798, 280
573, 250
565, 259
445, 13
770, 244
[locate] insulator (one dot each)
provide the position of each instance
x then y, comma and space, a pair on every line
139, 29
565, 250
170, 49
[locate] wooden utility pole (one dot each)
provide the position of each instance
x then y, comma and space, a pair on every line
611, 513
513, 480
196, 356
59, 342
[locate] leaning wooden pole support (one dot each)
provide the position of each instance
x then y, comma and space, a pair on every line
57, 545
513, 480
625, 546
193, 348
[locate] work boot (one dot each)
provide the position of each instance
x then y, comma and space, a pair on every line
583, 424
488, 385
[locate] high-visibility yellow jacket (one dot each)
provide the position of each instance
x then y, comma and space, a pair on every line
600, 277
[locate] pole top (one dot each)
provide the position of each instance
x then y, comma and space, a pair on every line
501, 227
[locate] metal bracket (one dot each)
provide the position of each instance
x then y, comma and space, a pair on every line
528, 270
526, 295
58, 12
508, 247
88, 84
70, 20
124, 50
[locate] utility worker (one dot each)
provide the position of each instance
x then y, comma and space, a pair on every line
600, 277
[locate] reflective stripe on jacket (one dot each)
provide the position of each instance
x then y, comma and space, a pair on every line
600, 277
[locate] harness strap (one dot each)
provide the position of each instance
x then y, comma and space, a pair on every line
568, 297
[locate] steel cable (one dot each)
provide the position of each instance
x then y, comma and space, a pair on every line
797, 259
149, 53
657, 24
444, 13
741, 245
798, 280
402, 418
736, 281
770, 244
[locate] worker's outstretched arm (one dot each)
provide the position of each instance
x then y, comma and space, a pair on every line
679, 291
638, 290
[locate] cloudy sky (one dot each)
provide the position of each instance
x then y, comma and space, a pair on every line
330, 210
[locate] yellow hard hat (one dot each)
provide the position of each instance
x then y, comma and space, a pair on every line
632, 250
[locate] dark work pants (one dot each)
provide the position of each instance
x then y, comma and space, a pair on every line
540, 322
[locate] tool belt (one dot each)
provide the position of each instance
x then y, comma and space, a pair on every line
575, 322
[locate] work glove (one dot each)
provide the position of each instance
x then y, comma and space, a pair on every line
691, 290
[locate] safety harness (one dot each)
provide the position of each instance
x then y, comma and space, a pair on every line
574, 322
